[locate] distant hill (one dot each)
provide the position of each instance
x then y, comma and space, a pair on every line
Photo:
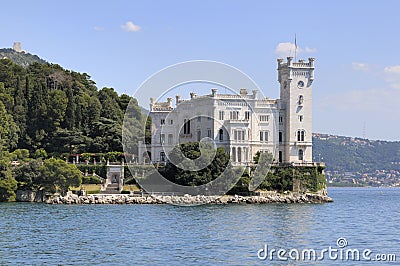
20, 58
346, 154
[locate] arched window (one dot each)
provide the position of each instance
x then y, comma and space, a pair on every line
301, 155
221, 134
162, 156
300, 135
186, 126
233, 154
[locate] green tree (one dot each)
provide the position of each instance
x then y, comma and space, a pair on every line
29, 175
4, 127
110, 104
58, 176
70, 111
56, 108
191, 150
8, 185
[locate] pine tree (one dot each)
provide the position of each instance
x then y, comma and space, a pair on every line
70, 112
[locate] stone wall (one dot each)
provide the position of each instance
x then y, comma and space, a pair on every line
190, 200
31, 196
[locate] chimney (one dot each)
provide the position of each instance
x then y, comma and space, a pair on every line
178, 99
151, 103
243, 92
169, 101
255, 92
311, 61
289, 60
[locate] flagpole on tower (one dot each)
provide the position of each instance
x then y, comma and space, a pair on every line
295, 47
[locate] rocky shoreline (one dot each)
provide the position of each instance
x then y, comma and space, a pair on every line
189, 200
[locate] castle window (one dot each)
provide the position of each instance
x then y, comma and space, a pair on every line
162, 138
239, 135
239, 154
301, 99
221, 134
162, 156
186, 127
264, 118
264, 135
300, 118
280, 119
170, 139
247, 115
198, 135
209, 132
171, 122
221, 115
301, 155
162, 121
234, 154
280, 136
300, 135
280, 156
234, 115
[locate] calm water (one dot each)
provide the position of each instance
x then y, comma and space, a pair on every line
38, 234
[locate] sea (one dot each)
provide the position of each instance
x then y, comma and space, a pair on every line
361, 226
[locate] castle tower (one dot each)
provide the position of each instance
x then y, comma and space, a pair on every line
17, 47
295, 122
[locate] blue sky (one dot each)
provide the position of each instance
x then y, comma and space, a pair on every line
121, 43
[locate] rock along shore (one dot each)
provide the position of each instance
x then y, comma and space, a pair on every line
189, 200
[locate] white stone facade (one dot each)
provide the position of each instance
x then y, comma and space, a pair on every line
244, 123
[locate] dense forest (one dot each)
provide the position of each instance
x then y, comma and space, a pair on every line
47, 111
45, 107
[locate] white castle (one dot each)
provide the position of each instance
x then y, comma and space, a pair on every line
241, 123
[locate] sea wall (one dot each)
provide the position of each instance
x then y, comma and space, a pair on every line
31, 196
189, 200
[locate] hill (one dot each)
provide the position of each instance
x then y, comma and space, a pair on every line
20, 58
357, 160
44, 107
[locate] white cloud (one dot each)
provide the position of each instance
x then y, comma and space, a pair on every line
284, 49
391, 75
310, 50
97, 28
392, 69
131, 27
360, 66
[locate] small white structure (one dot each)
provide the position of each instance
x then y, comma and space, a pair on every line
17, 47
241, 123
115, 176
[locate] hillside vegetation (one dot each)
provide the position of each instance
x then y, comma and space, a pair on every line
348, 154
48, 111
20, 58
